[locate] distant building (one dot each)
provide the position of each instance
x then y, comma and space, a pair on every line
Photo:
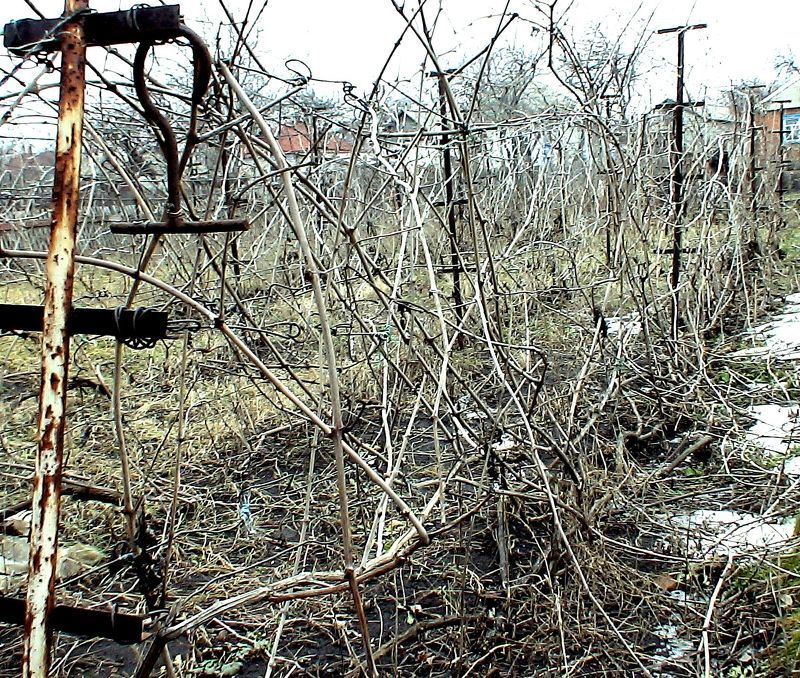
300, 139
26, 183
707, 144
781, 118
399, 120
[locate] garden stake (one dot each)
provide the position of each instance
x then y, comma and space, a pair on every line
677, 178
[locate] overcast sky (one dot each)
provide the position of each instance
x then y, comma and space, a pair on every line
351, 39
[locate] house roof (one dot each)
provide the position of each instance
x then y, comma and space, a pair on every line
18, 161
297, 138
789, 94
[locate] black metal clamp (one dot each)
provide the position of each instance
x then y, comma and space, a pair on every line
134, 327
102, 29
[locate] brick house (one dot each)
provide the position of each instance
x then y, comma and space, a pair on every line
298, 139
781, 112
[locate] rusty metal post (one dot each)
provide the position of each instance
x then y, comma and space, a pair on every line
60, 266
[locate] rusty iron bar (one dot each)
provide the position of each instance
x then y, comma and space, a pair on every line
59, 268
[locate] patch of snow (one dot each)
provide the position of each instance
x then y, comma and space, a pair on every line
625, 326
505, 443
679, 595
781, 335
775, 427
13, 563
684, 600
465, 402
11, 566
721, 532
674, 647
792, 466
666, 631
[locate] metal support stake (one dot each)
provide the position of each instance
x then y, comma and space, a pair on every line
612, 217
779, 152
752, 128
60, 267
751, 149
449, 180
677, 179
780, 189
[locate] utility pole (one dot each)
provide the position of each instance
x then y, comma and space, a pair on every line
60, 269
677, 178
450, 202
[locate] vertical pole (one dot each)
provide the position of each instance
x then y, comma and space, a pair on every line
751, 123
316, 159
449, 179
677, 189
779, 189
611, 208
752, 129
608, 190
677, 178
315, 152
59, 267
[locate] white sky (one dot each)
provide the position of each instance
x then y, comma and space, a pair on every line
350, 39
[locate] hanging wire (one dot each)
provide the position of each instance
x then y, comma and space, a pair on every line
176, 328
